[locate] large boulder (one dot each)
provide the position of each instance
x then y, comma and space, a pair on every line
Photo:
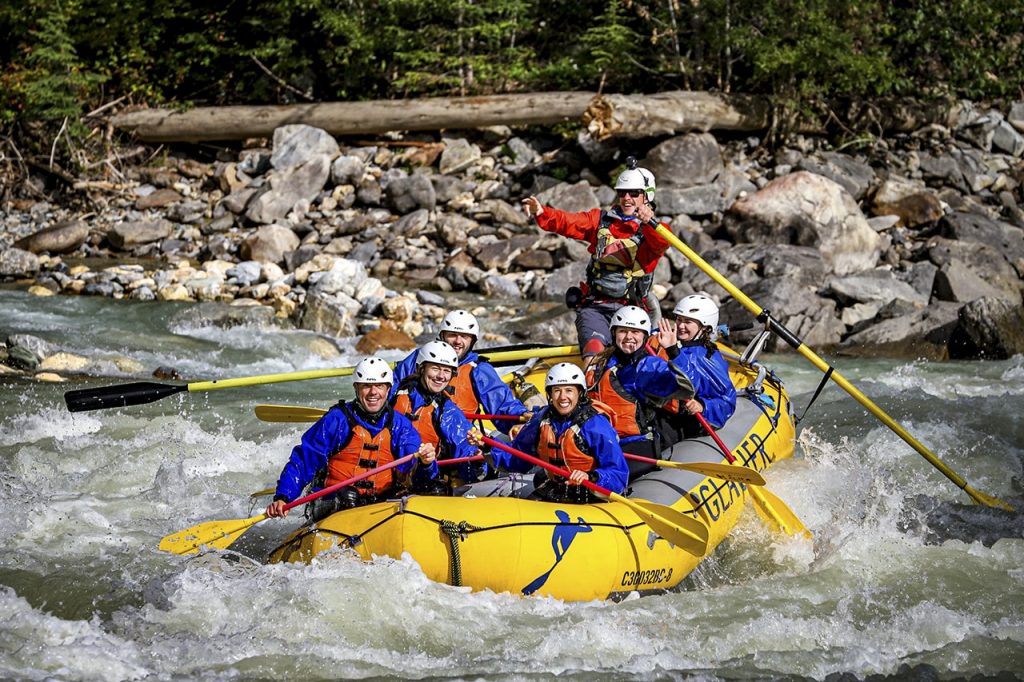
269, 244
991, 328
809, 210
60, 238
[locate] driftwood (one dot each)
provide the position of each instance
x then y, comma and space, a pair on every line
606, 116
355, 118
670, 113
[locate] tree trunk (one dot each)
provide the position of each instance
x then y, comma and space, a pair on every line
670, 113
355, 118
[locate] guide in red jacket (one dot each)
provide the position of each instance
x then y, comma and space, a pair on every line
624, 248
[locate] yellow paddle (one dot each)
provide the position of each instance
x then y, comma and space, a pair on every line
142, 392
220, 534
768, 505
787, 336
727, 472
687, 533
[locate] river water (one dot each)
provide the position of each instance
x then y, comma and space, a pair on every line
903, 575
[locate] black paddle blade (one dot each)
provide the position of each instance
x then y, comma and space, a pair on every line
137, 393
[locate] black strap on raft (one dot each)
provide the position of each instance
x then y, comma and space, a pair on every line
817, 392
766, 317
456, 532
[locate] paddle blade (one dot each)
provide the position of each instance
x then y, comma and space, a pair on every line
987, 500
288, 413
212, 534
685, 532
725, 472
138, 393
776, 513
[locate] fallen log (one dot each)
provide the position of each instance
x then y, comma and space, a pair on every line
671, 113
355, 118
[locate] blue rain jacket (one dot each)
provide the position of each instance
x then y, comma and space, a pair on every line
711, 382
330, 433
491, 392
649, 379
597, 432
452, 427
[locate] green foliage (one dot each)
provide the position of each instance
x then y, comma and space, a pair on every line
59, 56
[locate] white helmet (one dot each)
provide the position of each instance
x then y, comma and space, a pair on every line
701, 308
373, 371
439, 353
637, 178
461, 321
632, 317
565, 374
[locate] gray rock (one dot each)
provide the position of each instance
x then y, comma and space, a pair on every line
855, 176
431, 298
237, 201
974, 227
128, 234
16, 263
458, 155
957, 281
880, 285
288, 187
406, 194
297, 145
685, 161
989, 328
695, 200
347, 170
500, 286
61, 238
333, 314
808, 210
577, 197
920, 333
269, 244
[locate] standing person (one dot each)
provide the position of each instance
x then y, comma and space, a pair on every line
349, 439
423, 399
476, 386
625, 248
634, 385
689, 343
571, 434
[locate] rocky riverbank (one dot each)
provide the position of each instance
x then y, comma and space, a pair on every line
910, 246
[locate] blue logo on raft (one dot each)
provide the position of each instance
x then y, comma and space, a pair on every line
561, 537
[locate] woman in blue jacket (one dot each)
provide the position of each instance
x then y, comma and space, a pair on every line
569, 433
635, 385
689, 343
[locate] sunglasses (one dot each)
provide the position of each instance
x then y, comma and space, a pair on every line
635, 193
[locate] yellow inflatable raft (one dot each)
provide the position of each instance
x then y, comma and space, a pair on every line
491, 539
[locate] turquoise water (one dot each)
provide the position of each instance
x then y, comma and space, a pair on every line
902, 571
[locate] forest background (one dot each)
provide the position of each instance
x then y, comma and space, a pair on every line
62, 59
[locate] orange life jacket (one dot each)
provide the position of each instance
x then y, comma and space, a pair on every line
628, 416
462, 390
569, 451
425, 419
360, 453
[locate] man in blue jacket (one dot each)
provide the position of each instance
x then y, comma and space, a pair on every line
352, 438
476, 386
424, 399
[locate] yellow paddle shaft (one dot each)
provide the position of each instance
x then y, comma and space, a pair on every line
801, 348
499, 356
